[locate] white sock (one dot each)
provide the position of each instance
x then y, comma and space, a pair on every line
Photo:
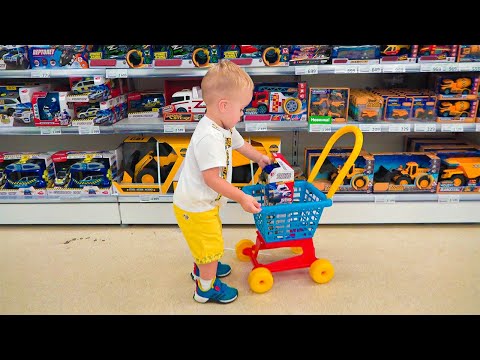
205, 284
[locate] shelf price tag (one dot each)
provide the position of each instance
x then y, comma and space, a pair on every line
116, 73
3, 66
438, 67
43, 74
385, 199
452, 67
371, 127
320, 128
174, 129
346, 69
149, 198
89, 130
475, 68
256, 127
448, 199
477, 127
425, 128
452, 127
306, 70
399, 128
374, 69
50, 131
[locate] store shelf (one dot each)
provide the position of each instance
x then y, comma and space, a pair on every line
276, 70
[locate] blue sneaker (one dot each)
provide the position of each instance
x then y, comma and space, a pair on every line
219, 292
222, 271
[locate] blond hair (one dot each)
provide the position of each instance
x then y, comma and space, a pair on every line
224, 79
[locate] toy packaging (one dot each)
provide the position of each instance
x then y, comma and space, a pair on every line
14, 57
352, 54
456, 110
437, 53
51, 109
459, 171
59, 56
145, 104
405, 172
456, 86
468, 53
256, 55
310, 54
329, 104
365, 105
278, 102
185, 56
278, 178
25, 174
184, 101
359, 178
102, 113
95, 89
121, 56
398, 54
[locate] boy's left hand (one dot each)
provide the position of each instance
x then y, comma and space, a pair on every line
264, 161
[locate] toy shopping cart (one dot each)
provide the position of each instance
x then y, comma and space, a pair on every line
293, 225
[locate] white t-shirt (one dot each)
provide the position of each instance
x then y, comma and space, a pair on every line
210, 146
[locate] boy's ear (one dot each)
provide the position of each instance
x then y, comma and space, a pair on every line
222, 105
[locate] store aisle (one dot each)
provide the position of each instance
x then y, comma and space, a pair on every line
415, 269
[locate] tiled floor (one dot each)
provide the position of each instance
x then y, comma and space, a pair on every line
418, 269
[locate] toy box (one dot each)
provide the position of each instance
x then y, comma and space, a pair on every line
246, 172
456, 110
145, 104
51, 108
437, 147
397, 108
329, 104
59, 56
121, 56
437, 53
278, 102
359, 178
351, 54
25, 174
423, 107
310, 54
278, 178
256, 55
95, 89
309, 150
184, 101
415, 144
365, 105
16, 104
151, 164
185, 56
14, 57
459, 171
102, 113
468, 53
456, 86
405, 172
398, 54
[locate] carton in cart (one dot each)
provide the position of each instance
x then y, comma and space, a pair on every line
279, 181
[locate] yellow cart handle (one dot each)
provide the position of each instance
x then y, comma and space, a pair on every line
348, 164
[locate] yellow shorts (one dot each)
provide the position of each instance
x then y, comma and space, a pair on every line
203, 232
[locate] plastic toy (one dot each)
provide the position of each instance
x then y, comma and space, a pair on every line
293, 225
459, 86
459, 108
461, 170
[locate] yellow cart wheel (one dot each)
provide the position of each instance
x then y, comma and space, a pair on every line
260, 280
297, 250
242, 245
321, 271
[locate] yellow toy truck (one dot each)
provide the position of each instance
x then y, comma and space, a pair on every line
459, 108
459, 86
461, 170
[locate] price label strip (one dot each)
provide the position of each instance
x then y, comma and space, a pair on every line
149, 198
174, 129
51, 131
425, 128
385, 199
43, 74
88, 130
374, 69
399, 128
452, 127
320, 128
448, 199
306, 70
256, 127
477, 127
371, 127
346, 69
116, 73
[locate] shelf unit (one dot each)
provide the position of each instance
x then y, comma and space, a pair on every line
157, 209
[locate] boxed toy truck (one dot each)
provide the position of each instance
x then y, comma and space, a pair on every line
279, 181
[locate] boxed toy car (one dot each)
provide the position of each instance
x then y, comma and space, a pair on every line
278, 102
356, 54
184, 101
59, 56
468, 53
358, 179
310, 54
459, 171
103, 113
405, 172
256, 55
278, 178
83, 173
121, 56
95, 89
456, 110
25, 174
328, 104
456, 86
14, 57
437, 53
51, 108
365, 106
185, 56
145, 104
398, 54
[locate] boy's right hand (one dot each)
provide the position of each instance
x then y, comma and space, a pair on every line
250, 204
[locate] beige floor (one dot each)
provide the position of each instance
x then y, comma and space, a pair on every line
144, 270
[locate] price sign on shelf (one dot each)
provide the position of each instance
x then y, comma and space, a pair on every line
448, 199
256, 127
88, 130
452, 127
438, 68
306, 70
43, 74
116, 73
346, 69
425, 128
50, 131
477, 127
149, 198
475, 68
452, 67
174, 129
371, 127
374, 69
320, 128
399, 128
384, 199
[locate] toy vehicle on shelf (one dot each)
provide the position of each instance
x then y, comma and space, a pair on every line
189, 100
428, 50
461, 170
396, 50
400, 114
8, 105
459, 86
411, 173
25, 174
458, 108
16, 57
88, 173
270, 54
355, 177
87, 113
